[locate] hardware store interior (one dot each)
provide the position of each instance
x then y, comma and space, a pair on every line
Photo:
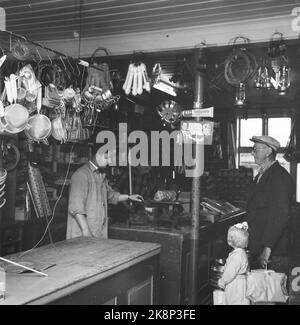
188, 103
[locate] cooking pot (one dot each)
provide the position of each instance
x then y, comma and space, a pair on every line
40, 128
39, 125
14, 117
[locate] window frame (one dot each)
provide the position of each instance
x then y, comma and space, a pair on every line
265, 126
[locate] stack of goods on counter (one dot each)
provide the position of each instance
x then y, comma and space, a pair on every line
214, 210
232, 184
219, 207
166, 196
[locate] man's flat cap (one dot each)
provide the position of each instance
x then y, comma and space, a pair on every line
268, 141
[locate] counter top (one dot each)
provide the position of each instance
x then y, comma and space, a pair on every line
78, 262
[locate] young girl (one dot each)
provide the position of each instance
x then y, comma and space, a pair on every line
233, 280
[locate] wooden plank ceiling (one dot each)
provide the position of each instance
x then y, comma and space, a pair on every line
42, 20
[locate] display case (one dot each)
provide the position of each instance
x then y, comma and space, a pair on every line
176, 253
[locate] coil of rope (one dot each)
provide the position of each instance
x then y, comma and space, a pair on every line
240, 65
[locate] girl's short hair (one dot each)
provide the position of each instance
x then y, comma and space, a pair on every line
237, 237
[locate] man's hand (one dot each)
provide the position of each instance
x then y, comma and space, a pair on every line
264, 257
83, 225
136, 198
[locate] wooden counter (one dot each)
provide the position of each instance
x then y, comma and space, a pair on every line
175, 253
88, 271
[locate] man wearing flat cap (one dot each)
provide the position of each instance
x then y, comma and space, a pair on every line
268, 208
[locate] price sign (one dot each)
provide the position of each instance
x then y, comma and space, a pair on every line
199, 112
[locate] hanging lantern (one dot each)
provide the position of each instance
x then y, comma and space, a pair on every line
267, 80
263, 78
258, 79
283, 80
240, 97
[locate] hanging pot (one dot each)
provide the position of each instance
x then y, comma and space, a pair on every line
14, 117
39, 125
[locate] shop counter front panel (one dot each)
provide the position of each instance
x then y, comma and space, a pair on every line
87, 271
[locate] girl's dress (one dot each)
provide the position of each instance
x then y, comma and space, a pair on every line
233, 279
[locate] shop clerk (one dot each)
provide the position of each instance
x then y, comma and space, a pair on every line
88, 198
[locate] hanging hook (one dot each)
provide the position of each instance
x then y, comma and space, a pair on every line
3, 57
37, 51
49, 58
73, 71
63, 63
10, 41
78, 70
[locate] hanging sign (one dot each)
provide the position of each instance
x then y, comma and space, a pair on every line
198, 132
199, 112
2, 19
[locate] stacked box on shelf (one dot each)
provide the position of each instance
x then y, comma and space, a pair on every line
232, 184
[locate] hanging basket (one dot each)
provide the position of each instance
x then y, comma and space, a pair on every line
106, 51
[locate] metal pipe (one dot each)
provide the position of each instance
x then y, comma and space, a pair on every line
45, 48
34, 43
196, 184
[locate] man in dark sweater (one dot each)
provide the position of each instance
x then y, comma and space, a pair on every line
268, 208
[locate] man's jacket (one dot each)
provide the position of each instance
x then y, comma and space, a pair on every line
268, 211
